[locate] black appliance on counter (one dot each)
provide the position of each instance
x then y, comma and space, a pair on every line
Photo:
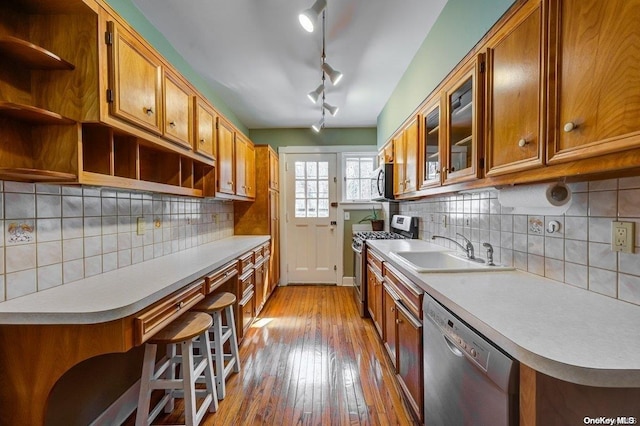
402, 227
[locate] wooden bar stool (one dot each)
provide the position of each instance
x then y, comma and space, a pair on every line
182, 331
219, 334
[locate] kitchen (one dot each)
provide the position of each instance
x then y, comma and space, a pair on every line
601, 178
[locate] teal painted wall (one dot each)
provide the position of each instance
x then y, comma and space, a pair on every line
137, 20
307, 137
461, 24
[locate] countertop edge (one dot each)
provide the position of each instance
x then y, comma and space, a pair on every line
26, 310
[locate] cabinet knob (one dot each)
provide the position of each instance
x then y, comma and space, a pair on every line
570, 126
523, 142
201, 140
179, 305
398, 321
230, 182
149, 111
172, 124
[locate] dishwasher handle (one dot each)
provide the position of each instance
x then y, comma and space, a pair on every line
452, 347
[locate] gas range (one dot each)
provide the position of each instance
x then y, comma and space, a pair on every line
402, 227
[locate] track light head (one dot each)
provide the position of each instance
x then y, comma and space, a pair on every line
318, 126
333, 110
334, 75
309, 17
315, 95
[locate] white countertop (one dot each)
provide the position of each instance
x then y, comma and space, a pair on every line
559, 330
122, 292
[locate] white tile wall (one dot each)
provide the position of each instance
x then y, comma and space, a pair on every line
579, 254
51, 235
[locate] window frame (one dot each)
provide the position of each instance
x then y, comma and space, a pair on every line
342, 173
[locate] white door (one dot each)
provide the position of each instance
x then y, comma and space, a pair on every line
310, 188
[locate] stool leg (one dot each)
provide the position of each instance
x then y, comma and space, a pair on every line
170, 375
234, 338
218, 352
204, 345
144, 397
188, 384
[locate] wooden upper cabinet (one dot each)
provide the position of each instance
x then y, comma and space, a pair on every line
225, 160
430, 145
241, 165
463, 123
178, 110
274, 170
250, 169
135, 80
406, 153
515, 103
412, 135
204, 140
399, 170
596, 103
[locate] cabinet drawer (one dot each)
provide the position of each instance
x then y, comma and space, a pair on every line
246, 262
155, 317
258, 255
410, 295
375, 260
266, 249
221, 276
246, 282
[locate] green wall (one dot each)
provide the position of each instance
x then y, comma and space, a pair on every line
347, 254
461, 24
307, 137
137, 20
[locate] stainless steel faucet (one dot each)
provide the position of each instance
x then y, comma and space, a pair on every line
468, 247
489, 248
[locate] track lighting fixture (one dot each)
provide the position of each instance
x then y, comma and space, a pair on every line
333, 110
318, 126
309, 17
334, 75
315, 95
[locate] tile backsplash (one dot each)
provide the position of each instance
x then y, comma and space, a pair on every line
52, 235
578, 253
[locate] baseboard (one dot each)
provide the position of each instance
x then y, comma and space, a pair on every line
347, 281
121, 409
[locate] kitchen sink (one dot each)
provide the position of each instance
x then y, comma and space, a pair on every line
444, 261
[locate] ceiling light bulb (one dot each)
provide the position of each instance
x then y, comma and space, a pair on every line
309, 17
315, 95
318, 126
333, 110
334, 75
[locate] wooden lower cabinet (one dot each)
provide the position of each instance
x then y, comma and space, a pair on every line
374, 297
389, 335
246, 309
409, 356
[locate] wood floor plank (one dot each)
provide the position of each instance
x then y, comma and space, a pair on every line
309, 359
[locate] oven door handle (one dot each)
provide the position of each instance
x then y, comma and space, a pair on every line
353, 247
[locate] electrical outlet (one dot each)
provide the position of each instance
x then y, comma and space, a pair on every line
622, 236
347, 216
140, 228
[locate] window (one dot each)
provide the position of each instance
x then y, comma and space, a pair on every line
358, 169
312, 188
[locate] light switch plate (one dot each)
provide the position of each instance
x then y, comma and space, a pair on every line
622, 236
347, 216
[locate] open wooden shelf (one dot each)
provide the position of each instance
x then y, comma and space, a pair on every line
35, 175
32, 114
32, 56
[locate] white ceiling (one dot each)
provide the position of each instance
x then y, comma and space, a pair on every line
260, 61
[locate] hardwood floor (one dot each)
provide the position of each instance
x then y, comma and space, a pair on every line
309, 359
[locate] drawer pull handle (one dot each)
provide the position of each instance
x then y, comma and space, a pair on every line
148, 111
180, 305
570, 126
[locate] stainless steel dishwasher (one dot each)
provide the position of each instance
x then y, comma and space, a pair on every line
467, 379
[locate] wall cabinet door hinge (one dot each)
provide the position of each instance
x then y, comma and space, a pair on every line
482, 66
109, 95
335, 268
108, 38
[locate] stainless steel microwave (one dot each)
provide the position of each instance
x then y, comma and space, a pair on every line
382, 183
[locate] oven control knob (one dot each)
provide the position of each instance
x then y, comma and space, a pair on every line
473, 352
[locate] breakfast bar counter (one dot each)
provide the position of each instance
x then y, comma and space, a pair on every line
43, 335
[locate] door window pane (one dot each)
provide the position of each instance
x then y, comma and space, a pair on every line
312, 189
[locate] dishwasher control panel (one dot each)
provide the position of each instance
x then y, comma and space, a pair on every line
458, 334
